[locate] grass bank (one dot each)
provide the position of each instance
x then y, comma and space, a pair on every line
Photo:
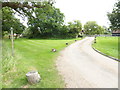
107, 45
32, 54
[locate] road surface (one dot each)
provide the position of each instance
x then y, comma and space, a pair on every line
82, 67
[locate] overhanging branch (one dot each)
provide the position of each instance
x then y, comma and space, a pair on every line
14, 5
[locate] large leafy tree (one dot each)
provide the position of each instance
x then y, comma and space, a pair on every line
47, 22
23, 9
114, 17
92, 28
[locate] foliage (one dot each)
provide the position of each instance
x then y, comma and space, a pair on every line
47, 22
25, 8
92, 28
44, 20
74, 28
9, 21
114, 17
64, 32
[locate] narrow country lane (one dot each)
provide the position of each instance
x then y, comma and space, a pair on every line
82, 67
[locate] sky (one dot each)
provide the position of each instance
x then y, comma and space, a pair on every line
86, 10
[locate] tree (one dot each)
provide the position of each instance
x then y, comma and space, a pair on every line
74, 28
22, 5
47, 22
114, 17
24, 8
9, 20
64, 33
92, 28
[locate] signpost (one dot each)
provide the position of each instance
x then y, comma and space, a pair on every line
12, 41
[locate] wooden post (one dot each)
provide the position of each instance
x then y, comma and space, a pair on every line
12, 41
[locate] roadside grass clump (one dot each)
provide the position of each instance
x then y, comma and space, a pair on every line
33, 55
108, 46
8, 62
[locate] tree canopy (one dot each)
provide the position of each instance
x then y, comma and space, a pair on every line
46, 22
114, 17
9, 20
24, 8
92, 28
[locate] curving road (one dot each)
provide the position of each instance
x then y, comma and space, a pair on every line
82, 67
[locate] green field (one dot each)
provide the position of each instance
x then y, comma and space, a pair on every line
107, 45
32, 54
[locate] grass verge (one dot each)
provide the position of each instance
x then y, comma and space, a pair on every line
108, 46
32, 54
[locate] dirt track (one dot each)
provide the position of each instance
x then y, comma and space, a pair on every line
82, 67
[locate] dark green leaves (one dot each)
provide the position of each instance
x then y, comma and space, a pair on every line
49, 20
114, 17
92, 28
9, 21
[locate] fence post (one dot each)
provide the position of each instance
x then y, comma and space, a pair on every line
12, 41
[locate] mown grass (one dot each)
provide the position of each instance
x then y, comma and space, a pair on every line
32, 54
107, 45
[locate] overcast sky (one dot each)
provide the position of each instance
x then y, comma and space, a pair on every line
86, 10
